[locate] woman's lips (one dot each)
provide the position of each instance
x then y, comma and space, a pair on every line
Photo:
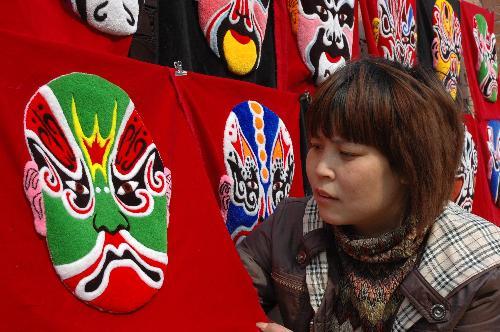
322, 195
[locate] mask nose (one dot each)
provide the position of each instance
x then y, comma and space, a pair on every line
107, 215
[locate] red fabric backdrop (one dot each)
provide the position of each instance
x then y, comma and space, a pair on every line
50, 20
206, 288
292, 73
207, 102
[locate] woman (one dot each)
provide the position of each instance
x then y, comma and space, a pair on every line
378, 247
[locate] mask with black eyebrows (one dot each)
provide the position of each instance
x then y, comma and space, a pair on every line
325, 35
114, 17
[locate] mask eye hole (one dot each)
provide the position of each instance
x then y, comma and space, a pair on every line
252, 185
127, 187
77, 187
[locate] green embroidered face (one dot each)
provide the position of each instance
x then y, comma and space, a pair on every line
487, 66
102, 191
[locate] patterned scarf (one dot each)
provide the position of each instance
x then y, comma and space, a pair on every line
370, 271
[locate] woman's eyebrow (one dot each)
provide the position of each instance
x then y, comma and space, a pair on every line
339, 140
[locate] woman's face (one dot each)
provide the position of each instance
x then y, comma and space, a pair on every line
354, 184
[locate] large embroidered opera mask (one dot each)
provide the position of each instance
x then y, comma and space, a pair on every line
99, 191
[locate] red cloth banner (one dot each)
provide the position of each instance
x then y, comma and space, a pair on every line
53, 21
292, 73
205, 286
249, 139
480, 59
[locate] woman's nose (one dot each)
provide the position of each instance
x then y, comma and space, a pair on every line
325, 169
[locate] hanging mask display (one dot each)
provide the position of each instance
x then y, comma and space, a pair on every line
394, 30
98, 190
446, 45
325, 34
235, 31
465, 180
486, 66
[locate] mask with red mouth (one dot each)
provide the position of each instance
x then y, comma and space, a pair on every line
235, 31
114, 17
99, 191
395, 30
325, 31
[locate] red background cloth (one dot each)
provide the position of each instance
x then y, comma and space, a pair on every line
206, 287
292, 73
51, 20
207, 102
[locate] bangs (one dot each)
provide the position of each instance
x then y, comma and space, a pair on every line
358, 110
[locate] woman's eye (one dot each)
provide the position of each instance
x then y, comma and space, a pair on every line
348, 154
127, 187
77, 187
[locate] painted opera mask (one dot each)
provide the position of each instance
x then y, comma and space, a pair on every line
465, 179
395, 31
235, 31
486, 66
446, 45
493, 131
325, 35
115, 17
259, 161
99, 191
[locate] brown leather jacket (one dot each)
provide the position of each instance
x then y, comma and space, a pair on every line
456, 285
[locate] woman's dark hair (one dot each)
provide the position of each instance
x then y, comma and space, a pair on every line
403, 112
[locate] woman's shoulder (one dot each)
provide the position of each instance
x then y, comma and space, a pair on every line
291, 210
461, 246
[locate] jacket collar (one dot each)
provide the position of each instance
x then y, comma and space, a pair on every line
460, 246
